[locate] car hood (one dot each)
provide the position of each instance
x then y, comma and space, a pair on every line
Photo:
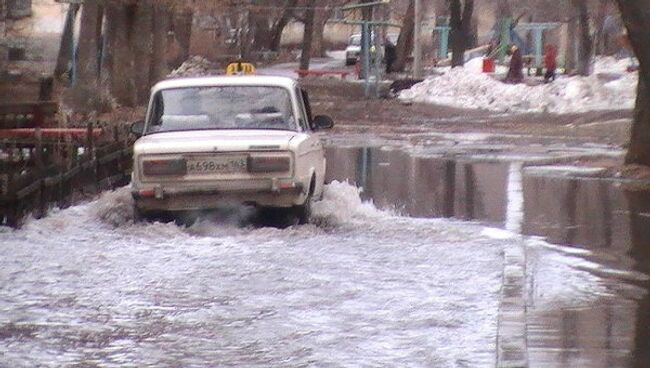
214, 141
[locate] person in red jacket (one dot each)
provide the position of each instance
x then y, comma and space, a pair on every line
550, 63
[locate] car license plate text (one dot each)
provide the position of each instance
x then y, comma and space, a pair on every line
216, 165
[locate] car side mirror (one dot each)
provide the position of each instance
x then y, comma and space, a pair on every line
137, 128
322, 122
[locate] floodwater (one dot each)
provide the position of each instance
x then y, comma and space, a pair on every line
364, 285
362, 288
598, 226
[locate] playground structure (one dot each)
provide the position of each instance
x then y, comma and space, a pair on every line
371, 62
506, 33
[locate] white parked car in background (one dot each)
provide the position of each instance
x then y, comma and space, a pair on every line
221, 141
353, 50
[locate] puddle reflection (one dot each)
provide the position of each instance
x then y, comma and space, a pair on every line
603, 216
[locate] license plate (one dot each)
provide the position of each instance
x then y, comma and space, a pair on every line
216, 165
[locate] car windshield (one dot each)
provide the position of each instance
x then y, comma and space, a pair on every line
223, 107
355, 40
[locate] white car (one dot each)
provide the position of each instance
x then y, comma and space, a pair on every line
353, 50
221, 141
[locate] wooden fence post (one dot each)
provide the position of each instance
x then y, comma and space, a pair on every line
38, 154
13, 212
90, 140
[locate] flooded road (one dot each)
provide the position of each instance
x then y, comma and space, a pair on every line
364, 285
602, 227
363, 288
87, 287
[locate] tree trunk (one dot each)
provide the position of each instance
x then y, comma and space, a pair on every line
441, 8
120, 67
585, 42
67, 42
639, 148
278, 27
366, 15
404, 45
503, 9
308, 36
599, 37
88, 67
461, 29
636, 17
161, 25
261, 31
318, 48
570, 58
183, 35
142, 49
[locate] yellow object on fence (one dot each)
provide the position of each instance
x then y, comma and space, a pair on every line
240, 68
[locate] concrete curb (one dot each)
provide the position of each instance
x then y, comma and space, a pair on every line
511, 329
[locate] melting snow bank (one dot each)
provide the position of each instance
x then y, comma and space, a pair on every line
465, 88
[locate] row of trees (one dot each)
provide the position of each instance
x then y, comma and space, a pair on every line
127, 45
123, 46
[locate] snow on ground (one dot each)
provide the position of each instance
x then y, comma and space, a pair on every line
611, 87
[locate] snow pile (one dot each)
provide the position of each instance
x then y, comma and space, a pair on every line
610, 64
196, 66
467, 88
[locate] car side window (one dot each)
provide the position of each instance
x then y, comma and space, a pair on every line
305, 120
305, 101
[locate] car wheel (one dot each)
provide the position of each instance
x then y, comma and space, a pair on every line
139, 215
349, 62
148, 216
303, 212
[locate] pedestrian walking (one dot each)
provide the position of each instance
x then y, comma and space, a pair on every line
515, 74
550, 63
390, 55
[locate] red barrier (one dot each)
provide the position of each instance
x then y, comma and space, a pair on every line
304, 73
48, 132
488, 65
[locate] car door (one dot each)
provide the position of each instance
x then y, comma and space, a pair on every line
315, 153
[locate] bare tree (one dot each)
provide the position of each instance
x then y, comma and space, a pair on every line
404, 45
90, 27
461, 29
585, 41
636, 17
67, 41
279, 26
120, 68
308, 35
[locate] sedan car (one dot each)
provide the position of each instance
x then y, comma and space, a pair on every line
353, 50
225, 141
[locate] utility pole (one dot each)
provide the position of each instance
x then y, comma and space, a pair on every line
417, 44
